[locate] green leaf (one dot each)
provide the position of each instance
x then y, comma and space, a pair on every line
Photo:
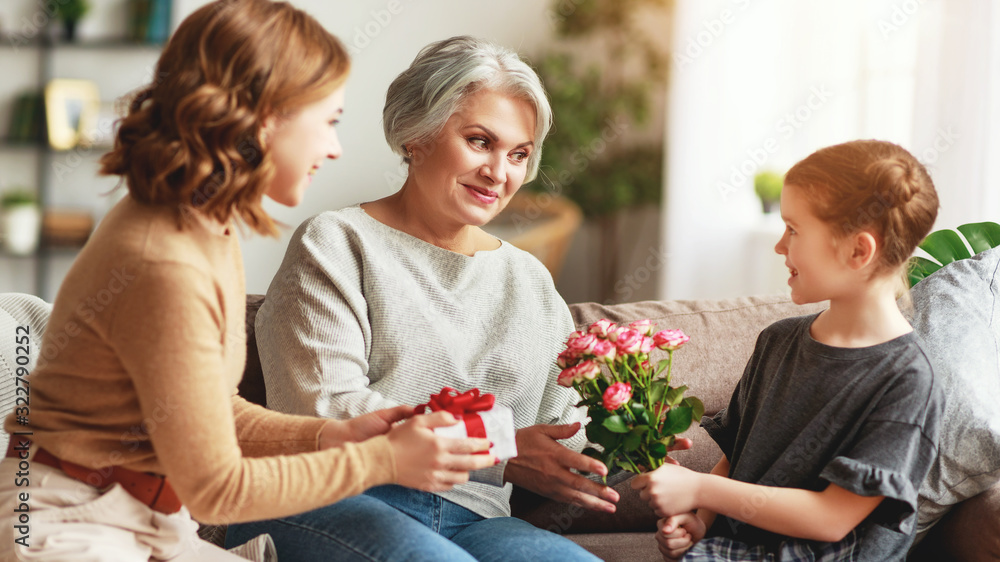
697, 407
660, 366
678, 420
599, 434
594, 453
920, 268
656, 391
632, 441
658, 450
641, 415
615, 424
982, 236
675, 395
945, 246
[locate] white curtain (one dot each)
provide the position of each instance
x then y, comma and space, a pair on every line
760, 84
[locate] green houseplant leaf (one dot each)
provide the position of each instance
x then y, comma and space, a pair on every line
946, 246
982, 236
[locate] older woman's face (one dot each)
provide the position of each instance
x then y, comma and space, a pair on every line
468, 174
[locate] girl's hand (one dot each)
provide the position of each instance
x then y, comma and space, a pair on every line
675, 535
337, 432
431, 463
669, 490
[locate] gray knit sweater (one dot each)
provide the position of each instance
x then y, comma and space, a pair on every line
361, 316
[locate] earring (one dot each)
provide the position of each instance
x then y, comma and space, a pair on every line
409, 153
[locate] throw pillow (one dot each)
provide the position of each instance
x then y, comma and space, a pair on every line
18, 309
956, 313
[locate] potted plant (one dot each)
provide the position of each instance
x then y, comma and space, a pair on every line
592, 155
767, 186
70, 12
21, 220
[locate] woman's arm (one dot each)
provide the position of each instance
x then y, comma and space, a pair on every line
826, 516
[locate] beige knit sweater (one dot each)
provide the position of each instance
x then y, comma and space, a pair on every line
139, 367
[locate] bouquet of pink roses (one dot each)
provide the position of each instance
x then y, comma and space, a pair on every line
634, 412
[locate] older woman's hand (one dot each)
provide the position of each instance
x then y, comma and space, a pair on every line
543, 465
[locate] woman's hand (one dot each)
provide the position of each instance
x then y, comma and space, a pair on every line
675, 535
431, 463
336, 432
543, 465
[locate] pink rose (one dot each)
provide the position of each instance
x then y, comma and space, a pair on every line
567, 377
574, 335
629, 342
644, 327
616, 331
647, 345
582, 345
605, 351
602, 327
585, 370
567, 359
616, 395
670, 340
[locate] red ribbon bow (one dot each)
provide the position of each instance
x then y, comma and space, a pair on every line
460, 404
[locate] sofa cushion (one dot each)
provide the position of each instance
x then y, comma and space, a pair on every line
17, 309
955, 312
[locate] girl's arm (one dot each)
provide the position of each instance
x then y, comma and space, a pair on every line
826, 516
721, 468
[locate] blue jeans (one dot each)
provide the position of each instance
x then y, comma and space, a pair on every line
391, 523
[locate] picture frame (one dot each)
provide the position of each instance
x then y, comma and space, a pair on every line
71, 109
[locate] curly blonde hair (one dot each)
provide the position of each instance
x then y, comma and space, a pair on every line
194, 136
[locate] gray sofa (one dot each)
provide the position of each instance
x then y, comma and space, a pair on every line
722, 334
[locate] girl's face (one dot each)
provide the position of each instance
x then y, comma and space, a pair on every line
818, 268
468, 174
300, 143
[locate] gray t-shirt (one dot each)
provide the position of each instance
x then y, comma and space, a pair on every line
807, 414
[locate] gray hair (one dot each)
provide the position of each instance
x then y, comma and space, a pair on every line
422, 98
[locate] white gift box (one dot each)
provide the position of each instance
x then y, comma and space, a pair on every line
499, 424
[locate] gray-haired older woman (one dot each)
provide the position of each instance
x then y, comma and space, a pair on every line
387, 302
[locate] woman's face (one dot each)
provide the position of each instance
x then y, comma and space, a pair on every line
300, 143
468, 174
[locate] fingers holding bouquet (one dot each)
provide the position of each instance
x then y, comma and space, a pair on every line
545, 466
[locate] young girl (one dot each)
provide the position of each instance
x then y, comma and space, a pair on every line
134, 417
834, 424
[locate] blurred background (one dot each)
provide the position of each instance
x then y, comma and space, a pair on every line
671, 117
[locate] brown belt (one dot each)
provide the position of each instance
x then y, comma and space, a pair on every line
151, 489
